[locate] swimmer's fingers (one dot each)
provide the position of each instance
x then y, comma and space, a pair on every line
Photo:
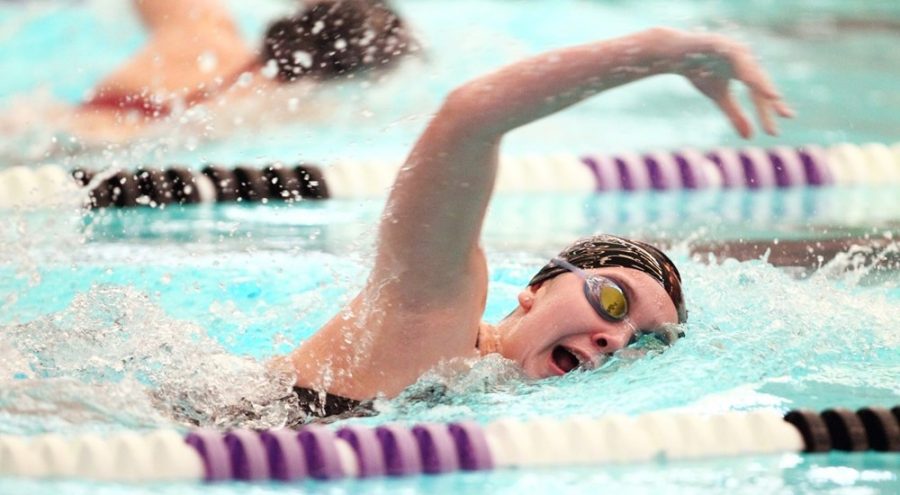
783, 109
713, 60
765, 106
748, 70
717, 89
735, 113
764, 112
765, 95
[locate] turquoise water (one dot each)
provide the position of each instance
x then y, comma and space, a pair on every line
180, 306
839, 80
110, 320
790, 474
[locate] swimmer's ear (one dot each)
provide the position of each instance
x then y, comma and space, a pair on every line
526, 296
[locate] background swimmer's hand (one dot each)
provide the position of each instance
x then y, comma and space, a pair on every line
711, 61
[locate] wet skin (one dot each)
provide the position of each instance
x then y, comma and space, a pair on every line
425, 296
557, 314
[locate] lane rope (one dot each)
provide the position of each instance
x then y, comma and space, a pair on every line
751, 167
355, 451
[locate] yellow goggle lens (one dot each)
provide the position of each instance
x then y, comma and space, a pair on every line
613, 301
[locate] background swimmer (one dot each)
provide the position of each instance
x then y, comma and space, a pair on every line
425, 296
195, 55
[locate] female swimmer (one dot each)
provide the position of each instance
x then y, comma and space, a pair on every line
424, 299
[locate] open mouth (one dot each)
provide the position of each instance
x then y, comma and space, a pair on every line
565, 359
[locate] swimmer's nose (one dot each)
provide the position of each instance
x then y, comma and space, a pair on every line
609, 342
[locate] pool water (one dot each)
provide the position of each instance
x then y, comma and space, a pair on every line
832, 61
146, 318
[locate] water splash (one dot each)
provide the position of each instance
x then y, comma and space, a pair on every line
759, 337
115, 359
865, 264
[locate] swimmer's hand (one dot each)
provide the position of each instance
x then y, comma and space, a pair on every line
710, 62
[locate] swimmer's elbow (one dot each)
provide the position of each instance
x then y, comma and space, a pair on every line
466, 110
458, 105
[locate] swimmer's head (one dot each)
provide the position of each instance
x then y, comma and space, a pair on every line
598, 296
333, 38
601, 251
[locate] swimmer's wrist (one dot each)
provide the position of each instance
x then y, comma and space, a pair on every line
672, 51
668, 49
652, 50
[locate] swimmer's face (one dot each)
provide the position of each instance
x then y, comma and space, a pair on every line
559, 330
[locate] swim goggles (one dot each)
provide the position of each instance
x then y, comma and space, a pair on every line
610, 302
604, 295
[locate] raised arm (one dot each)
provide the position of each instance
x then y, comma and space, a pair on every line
428, 237
425, 297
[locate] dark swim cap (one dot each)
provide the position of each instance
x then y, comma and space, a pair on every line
331, 38
601, 251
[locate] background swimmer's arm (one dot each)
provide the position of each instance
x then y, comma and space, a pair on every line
162, 14
182, 33
432, 223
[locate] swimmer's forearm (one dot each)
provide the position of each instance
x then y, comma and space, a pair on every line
434, 215
544, 84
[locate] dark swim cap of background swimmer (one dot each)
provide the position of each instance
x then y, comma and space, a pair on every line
332, 38
601, 251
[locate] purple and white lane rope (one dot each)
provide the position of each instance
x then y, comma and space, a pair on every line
321, 452
212, 449
471, 444
787, 167
758, 169
690, 167
365, 443
436, 448
401, 451
605, 172
249, 460
815, 165
730, 167
287, 460
663, 170
316, 451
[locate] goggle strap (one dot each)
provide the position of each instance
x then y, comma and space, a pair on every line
570, 267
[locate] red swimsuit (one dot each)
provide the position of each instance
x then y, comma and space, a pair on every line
125, 101
147, 106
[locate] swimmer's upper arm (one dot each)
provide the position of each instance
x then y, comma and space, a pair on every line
429, 232
428, 237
